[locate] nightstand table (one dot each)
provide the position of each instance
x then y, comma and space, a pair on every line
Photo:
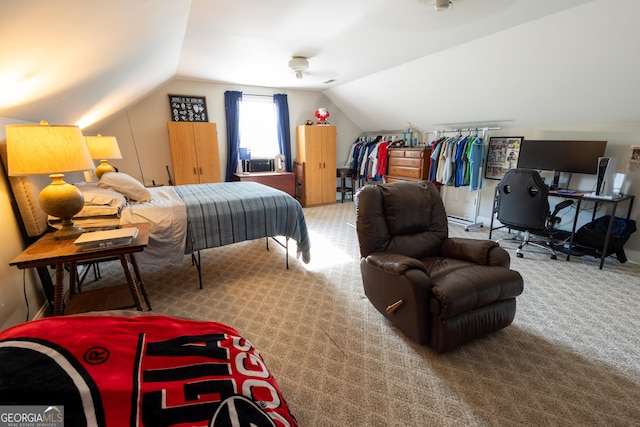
49, 251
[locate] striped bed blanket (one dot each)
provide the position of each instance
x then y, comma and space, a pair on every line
229, 212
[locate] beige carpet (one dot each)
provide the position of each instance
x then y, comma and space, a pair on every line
571, 357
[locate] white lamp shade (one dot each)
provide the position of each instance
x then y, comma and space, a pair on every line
103, 147
45, 149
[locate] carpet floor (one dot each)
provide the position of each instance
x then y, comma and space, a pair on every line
570, 358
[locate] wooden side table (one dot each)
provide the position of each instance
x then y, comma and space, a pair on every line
345, 175
49, 251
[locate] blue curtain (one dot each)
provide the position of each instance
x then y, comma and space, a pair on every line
232, 100
284, 133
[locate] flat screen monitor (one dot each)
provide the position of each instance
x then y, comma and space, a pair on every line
561, 156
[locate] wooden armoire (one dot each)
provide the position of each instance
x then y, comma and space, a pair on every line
194, 152
316, 148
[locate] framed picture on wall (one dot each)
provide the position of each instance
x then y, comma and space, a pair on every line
503, 155
185, 108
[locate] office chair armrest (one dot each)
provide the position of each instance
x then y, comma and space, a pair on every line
563, 204
472, 250
553, 218
393, 263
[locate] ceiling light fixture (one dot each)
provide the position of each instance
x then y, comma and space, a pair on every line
299, 64
441, 5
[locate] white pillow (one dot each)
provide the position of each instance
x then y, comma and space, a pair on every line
96, 196
94, 210
125, 184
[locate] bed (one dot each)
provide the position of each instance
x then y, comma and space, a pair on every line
205, 216
189, 218
143, 370
183, 219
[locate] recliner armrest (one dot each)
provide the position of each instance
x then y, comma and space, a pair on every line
481, 252
394, 263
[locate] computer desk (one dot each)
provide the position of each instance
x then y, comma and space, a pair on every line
587, 197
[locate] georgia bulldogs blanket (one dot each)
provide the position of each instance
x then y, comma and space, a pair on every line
147, 370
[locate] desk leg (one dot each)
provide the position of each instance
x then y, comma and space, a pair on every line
73, 278
573, 230
131, 280
607, 236
136, 270
58, 291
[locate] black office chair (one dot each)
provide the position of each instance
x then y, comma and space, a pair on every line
522, 203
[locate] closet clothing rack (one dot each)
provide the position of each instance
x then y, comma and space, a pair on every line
470, 223
367, 156
383, 133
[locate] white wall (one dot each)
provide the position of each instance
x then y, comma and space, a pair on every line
149, 120
570, 67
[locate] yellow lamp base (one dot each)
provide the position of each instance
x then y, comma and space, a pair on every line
62, 200
68, 231
103, 168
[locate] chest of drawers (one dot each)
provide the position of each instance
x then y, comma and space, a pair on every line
408, 164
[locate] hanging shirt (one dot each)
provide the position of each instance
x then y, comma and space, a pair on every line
435, 155
467, 171
475, 161
382, 159
449, 160
460, 160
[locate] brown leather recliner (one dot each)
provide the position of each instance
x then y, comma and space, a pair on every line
438, 290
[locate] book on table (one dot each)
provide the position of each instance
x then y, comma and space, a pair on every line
106, 238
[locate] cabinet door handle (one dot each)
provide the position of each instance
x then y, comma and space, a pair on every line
194, 171
200, 170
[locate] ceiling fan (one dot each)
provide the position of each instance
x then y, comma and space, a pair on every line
299, 64
438, 5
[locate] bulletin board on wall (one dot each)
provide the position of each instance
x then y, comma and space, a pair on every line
185, 108
503, 155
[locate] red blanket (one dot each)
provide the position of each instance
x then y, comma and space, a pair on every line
144, 370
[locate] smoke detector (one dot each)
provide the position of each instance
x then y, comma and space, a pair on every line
299, 64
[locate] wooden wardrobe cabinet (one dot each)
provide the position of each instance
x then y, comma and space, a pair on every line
194, 152
408, 164
316, 148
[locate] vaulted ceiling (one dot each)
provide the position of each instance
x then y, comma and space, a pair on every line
383, 62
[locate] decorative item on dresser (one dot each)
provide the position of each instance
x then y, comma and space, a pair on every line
408, 164
194, 152
316, 148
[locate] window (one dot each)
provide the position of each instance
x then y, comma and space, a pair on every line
258, 130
